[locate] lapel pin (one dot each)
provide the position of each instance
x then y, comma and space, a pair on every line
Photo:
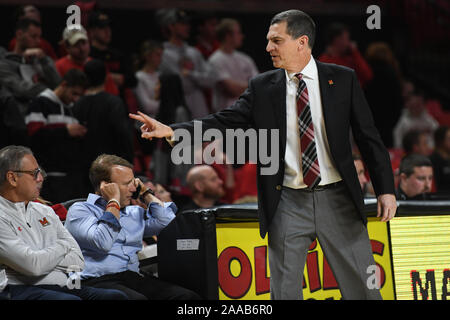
330, 82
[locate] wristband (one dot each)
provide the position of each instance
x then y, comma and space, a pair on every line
113, 202
142, 196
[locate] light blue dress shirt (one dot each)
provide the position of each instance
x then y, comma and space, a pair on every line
110, 245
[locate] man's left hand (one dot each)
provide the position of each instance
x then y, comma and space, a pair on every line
386, 207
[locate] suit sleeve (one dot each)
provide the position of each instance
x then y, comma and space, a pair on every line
369, 142
238, 115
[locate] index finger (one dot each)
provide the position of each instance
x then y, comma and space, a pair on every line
136, 117
138, 182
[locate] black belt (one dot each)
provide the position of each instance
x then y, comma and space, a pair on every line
320, 188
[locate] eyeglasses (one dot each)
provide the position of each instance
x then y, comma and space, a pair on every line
34, 173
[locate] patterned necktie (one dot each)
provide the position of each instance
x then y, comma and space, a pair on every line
310, 162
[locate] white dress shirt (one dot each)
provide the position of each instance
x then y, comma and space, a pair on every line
293, 176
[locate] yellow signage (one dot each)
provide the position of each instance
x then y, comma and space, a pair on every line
244, 273
421, 257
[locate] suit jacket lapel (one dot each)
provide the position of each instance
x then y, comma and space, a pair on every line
278, 96
327, 95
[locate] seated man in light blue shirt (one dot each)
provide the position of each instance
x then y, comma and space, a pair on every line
110, 231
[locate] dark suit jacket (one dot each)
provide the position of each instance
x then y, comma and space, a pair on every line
263, 106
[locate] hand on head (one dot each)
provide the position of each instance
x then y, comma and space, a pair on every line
110, 191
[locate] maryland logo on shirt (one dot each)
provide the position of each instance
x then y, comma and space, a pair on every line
44, 222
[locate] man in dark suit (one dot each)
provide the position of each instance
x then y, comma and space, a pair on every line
315, 192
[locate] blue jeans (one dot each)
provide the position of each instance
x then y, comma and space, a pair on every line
54, 292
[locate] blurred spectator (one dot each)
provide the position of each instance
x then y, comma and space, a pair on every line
117, 63
186, 61
106, 119
418, 142
110, 232
246, 190
340, 49
27, 71
13, 130
383, 91
160, 192
441, 159
366, 185
206, 188
416, 177
233, 69
147, 91
148, 86
408, 88
55, 137
76, 42
31, 12
414, 116
172, 110
37, 253
212, 154
205, 39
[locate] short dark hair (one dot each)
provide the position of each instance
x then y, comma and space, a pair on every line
24, 23
75, 78
95, 71
410, 139
11, 159
298, 24
439, 135
412, 161
101, 168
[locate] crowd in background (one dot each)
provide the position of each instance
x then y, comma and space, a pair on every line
70, 102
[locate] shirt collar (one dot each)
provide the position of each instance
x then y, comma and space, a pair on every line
309, 71
12, 205
11, 208
97, 200
50, 94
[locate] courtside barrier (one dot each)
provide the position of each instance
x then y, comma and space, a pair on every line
219, 254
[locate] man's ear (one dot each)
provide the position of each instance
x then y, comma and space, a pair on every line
303, 42
402, 176
199, 186
11, 177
